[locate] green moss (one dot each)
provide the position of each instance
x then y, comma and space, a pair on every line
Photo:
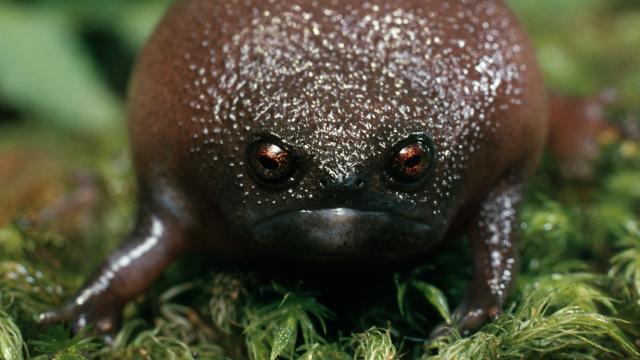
553, 322
11, 344
57, 343
272, 329
373, 344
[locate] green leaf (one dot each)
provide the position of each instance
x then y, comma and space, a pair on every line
285, 335
45, 72
436, 298
401, 292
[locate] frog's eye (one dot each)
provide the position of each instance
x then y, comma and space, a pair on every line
410, 160
271, 162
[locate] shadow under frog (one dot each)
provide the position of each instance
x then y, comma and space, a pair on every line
328, 132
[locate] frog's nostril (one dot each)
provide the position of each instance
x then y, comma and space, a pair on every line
349, 183
324, 182
356, 181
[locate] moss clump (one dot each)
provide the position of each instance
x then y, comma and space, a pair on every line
11, 343
558, 319
272, 329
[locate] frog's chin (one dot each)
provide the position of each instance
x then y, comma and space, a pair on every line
341, 234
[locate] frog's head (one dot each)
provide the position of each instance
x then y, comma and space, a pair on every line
330, 131
346, 198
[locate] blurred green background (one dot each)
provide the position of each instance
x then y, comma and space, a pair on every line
65, 63
66, 182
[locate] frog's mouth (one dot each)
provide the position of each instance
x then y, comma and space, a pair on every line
341, 233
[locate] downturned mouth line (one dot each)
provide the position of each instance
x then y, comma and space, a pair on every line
340, 212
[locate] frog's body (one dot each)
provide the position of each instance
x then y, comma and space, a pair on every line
281, 129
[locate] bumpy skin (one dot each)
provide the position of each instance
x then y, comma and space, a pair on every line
340, 83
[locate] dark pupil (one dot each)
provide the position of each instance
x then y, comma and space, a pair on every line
273, 161
410, 163
413, 161
269, 163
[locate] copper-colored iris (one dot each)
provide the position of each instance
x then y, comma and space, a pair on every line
410, 163
271, 163
272, 157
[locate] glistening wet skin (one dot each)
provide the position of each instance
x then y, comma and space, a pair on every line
341, 233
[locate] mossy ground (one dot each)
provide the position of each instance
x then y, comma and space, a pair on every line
577, 297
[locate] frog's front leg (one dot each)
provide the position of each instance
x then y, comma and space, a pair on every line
493, 237
157, 239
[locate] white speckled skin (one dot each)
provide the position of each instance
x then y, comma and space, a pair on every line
340, 83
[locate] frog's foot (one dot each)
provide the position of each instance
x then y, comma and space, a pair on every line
467, 318
101, 319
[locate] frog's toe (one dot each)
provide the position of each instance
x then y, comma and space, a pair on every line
107, 323
51, 317
441, 331
466, 320
469, 319
99, 320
